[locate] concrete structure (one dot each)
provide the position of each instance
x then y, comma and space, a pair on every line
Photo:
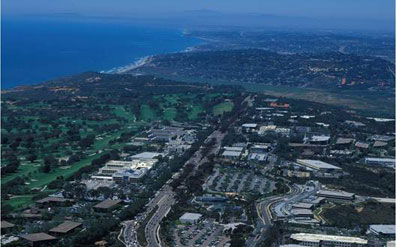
190, 218
318, 165
389, 162
65, 227
336, 195
322, 240
383, 230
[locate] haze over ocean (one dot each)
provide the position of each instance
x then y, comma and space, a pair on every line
40, 49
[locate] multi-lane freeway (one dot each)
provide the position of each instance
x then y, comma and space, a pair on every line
164, 199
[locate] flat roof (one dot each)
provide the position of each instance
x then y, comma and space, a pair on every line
249, 125
232, 153
107, 203
335, 193
317, 164
146, 155
301, 211
321, 237
234, 149
191, 216
54, 199
302, 205
65, 227
35, 237
380, 159
342, 140
384, 229
6, 224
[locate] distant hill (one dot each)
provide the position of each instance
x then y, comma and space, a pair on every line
324, 70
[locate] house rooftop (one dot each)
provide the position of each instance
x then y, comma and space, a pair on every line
6, 224
36, 237
65, 227
107, 204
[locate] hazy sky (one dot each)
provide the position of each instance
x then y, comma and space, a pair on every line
351, 9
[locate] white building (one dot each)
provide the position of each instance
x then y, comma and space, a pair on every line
318, 165
322, 240
190, 218
384, 230
381, 161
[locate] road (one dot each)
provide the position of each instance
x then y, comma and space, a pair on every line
165, 198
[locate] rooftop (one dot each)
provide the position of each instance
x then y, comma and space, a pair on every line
249, 125
107, 204
54, 199
317, 164
384, 229
6, 224
322, 237
65, 227
35, 237
342, 140
146, 155
191, 216
335, 193
232, 153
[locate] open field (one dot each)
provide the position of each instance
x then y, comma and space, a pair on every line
376, 103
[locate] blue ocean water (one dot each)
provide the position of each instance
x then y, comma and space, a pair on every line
40, 49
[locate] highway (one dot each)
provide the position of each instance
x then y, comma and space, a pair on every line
165, 198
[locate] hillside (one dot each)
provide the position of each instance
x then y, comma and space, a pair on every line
324, 70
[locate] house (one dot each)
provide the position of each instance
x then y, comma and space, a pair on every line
341, 141
106, 205
379, 144
65, 227
362, 145
37, 239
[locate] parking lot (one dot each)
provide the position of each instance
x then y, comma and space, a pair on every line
206, 233
238, 180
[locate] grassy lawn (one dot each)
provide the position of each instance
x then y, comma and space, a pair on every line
195, 110
147, 113
169, 113
18, 202
219, 109
121, 112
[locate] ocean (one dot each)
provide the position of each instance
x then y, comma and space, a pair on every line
39, 49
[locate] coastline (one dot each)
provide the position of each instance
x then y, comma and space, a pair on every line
139, 62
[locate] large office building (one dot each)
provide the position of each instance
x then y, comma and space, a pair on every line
321, 240
318, 165
125, 171
336, 195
